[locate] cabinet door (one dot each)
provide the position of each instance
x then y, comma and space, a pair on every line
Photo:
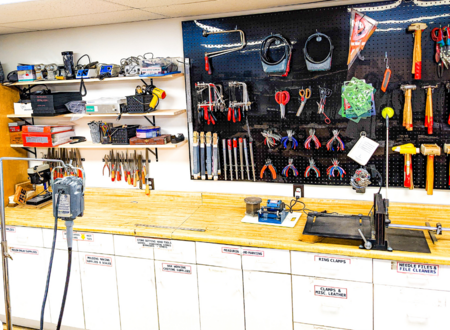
98, 281
221, 298
268, 301
137, 293
73, 311
176, 285
27, 278
406, 308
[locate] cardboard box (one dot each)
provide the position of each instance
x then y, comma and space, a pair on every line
163, 139
15, 137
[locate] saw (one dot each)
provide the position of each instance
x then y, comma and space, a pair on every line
361, 28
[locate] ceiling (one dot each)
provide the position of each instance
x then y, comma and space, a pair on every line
38, 15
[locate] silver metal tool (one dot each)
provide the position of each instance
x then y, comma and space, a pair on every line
230, 157
246, 158
241, 158
250, 143
235, 158
224, 148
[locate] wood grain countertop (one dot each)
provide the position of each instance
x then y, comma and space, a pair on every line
176, 215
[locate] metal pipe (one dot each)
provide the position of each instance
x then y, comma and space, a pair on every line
417, 227
5, 253
223, 52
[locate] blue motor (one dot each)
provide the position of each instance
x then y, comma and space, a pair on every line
274, 212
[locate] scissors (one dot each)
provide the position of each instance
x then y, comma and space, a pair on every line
305, 94
324, 93
437, 34
282, 98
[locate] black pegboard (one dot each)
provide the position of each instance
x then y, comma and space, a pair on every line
391, 36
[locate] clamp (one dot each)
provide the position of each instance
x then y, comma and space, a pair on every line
271, 168
270, 138
289, 138
289, 166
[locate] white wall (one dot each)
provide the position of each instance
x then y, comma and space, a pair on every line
110, 43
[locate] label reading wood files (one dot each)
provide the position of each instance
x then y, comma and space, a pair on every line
25, 251
333, 260
421, 269
253, 253
99, 261
82, 237
176, 268
154, 242
329, 291
230, 250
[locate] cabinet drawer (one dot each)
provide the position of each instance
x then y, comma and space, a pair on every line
405, 308
179, 251
61, 240
25, 236
266, 260
94, 242
333, 303
332, 266
412, 275
219, 255
302, 326
130, 246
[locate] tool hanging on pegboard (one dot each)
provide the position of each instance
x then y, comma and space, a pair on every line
238, 99
213, 102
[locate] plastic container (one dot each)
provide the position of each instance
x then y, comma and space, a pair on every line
148, 132
122, 135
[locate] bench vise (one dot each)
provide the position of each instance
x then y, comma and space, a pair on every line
274, 212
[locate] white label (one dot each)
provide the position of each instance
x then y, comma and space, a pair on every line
35, 129
176, 268
64, 205
230, 250
154, 242
83, 237
329, 291
37, 139
98, 260
25, 251
253, 253
10, 229
363, 150
421, 269
333, 260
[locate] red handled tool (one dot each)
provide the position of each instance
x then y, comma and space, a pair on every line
387, 74
282, 98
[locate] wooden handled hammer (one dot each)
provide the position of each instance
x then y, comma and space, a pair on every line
408, 150
429, 108
430, 150
407, 109
417, 53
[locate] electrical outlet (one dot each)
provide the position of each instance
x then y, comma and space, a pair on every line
302, 189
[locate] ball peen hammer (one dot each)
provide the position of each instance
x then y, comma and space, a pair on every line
430, 150
429, 108
408, 150
417, 53
407, 108
447, 151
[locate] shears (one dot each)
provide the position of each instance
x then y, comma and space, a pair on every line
442, 50
324, 93
305, 94
282, 98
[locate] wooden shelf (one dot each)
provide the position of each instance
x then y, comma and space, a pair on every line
91, 80
69, 115
90, 145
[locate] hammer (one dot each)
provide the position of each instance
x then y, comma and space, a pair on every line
408, 150
430, 150
407, 109
447, 151
417, 54
429, 108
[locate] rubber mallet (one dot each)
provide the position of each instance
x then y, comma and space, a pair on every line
417, 53
408, 150
407, 108
430, 150
429, 108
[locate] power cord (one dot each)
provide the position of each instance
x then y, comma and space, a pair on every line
293, 202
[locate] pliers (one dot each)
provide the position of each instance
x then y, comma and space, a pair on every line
270, 167
290, 166
106, 160
289, 138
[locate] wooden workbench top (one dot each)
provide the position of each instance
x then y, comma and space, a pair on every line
174, 215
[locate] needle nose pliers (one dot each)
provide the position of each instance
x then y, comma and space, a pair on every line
271, 168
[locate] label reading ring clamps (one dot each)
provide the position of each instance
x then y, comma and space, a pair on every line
325, 64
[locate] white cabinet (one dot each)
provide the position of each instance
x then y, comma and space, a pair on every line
176, 251
221, 298
341, 304
61, 240
177, 295
268, 301
228, 256
405, 308
412, 275
98, 281
24, 236
137, 293
94, 242
266, 260
132, 246
332, 266
73, 311
27, 277
302, 326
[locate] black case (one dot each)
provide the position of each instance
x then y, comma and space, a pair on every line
52, 104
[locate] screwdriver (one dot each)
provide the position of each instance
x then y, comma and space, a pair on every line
231, 159
241, 158
235, 158
246, 158
224, 147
